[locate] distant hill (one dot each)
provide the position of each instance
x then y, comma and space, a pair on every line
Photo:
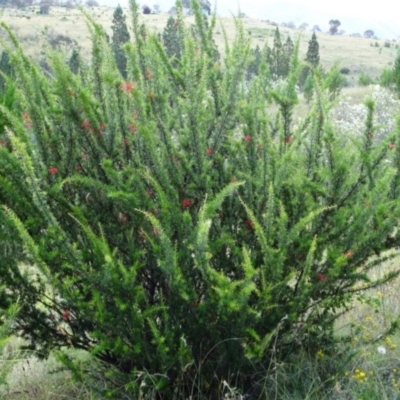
384, 26
63, 26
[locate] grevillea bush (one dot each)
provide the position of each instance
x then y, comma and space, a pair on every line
170, 226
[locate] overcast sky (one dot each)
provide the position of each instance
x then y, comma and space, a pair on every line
382, 16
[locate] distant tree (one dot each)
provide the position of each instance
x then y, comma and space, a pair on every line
312, 57
279, 56
146, 10
69, 5
254, 65
396, 74
303, 26
276, 57
120, 36
288, 49
156, 9
204, 4
6, 69
44, 7
369, 33
61, 42
74, 61
91, 3
17, 3
171, 39
333, 26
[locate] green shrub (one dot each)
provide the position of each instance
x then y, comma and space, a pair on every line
165, 225
334, 81
309, 88
365, 80
396, 73
386, 79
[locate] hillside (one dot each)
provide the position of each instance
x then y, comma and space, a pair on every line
357, 54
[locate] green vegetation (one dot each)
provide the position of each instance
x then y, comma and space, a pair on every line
166, 216
279, 56
365, 80
119, 38
171, 40
312, 59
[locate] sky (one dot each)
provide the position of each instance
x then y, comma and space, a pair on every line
355, 16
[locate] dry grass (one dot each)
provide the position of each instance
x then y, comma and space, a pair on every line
26, 377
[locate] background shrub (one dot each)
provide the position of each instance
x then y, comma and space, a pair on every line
364, 79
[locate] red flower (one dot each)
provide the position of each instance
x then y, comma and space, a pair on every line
249, 224
247, 138
186, 203
66, 315
52, 170
132, 128
210, 151
321, 277
392, 146
86, 124
27, 120
288, 140
349, 254
127, 87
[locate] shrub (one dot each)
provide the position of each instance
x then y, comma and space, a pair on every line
308, 88
334, 81
386, 79
396, 74
365, 80
162, 224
